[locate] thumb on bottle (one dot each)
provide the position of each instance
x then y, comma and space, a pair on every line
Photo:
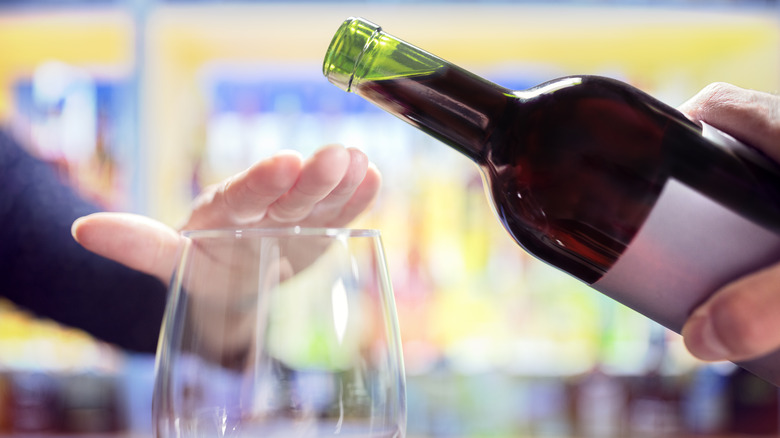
739, 322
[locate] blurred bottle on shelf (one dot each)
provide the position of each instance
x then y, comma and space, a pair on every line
705, 402
601, 402
33, 403
90, 403
601, 398
653, 403
753, 405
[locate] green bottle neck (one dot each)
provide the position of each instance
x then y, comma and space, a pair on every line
445, 101
362, 51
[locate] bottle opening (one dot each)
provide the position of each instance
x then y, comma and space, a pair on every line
346, 49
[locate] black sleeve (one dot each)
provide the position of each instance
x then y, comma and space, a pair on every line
45, 271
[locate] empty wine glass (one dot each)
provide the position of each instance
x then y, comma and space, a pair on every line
280, 333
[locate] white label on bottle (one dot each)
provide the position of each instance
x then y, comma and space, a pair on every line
687, 248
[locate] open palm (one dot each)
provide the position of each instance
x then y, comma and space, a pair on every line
329, 189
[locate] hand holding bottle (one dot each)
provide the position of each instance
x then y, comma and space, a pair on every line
740, 321
329, 189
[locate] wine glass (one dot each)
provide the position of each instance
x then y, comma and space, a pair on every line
280, 333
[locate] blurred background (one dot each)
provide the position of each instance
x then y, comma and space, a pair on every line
142, 103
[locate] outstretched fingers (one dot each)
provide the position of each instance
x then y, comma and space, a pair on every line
245, 197
359, 201
133, 240
320, 176
330, 188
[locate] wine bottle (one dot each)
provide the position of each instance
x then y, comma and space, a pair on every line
588, 174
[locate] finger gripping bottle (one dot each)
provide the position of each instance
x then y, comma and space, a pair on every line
588, 174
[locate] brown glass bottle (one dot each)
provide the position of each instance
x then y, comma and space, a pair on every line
574, 170
580, 170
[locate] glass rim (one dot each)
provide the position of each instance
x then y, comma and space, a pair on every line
297, 231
